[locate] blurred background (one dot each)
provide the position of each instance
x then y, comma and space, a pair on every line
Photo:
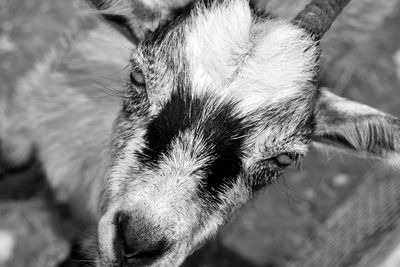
335, 211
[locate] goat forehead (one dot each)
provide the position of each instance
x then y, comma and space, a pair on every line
224, 49
256, 61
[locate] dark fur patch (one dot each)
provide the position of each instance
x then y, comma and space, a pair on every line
222, 128
179, 113
225, 132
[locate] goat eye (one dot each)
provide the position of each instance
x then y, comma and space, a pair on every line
137, 78
284, 160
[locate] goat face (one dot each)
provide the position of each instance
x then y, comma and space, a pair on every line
219, 103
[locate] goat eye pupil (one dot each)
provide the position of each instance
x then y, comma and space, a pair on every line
137, 78
284, 159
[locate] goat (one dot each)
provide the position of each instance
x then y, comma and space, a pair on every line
218, 100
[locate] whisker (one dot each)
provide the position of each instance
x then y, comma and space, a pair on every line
110, 91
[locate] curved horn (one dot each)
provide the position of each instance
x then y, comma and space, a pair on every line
318, 16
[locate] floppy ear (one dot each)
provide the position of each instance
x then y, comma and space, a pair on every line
356, 127
133, 18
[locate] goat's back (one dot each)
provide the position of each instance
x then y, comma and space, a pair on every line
64, 108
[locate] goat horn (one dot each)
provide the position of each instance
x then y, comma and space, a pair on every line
318, 16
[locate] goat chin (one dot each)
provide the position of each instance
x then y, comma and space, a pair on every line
63, 110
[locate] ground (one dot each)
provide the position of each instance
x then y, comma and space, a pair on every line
275, 230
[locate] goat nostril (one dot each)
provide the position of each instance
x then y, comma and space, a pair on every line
139, 240
150, 252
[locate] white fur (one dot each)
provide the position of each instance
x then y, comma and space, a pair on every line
173, 183
165, 5
7, 244
257, 63
120, 171
106, 234
233, 199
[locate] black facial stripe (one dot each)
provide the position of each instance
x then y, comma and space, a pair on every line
179, 113
223, 131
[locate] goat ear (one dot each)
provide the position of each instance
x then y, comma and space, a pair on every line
356, 127
133, 18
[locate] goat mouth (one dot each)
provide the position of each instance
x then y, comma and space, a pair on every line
174, 256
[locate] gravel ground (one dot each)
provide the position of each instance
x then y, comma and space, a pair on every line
270, 232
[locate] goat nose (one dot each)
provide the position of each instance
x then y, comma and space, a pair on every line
141, 242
